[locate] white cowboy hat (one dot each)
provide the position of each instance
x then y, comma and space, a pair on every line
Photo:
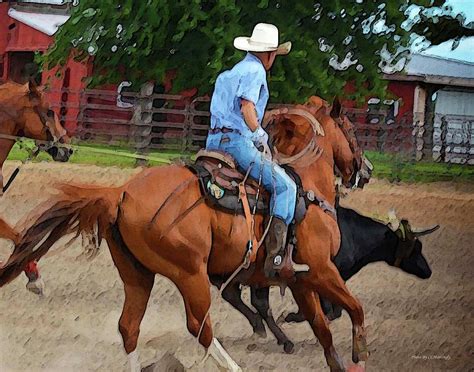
264, 39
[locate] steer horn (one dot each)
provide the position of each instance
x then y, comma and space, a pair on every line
393, 221
424, 231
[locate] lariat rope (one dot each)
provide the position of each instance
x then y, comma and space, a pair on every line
89, 149
32, 154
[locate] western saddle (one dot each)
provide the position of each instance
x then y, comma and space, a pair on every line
220, 180
225, 188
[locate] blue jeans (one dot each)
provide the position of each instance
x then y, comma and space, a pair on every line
274, 179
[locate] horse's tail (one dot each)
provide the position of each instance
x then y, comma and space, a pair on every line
8, 232
76, 209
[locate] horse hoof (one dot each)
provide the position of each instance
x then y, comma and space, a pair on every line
360, 352
288, 347
262, 333
294, 318
355, 368
36, 286
290, 317
259, 330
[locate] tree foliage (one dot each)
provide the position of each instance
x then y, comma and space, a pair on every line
334, 41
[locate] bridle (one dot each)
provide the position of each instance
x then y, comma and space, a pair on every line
51, 137
351, 139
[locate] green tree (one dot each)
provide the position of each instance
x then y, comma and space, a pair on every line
334, 41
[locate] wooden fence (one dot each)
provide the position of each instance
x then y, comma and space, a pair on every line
146, 121
152, 121
379, 132
453, 139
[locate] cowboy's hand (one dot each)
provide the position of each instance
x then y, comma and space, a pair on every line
260, 140
260, 137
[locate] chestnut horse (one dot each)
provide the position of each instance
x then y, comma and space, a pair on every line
155, 224
24, 113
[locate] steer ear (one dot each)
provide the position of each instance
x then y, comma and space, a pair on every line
424, 231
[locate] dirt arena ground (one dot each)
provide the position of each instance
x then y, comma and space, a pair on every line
413, 325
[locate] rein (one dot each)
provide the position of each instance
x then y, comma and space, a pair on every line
48, 144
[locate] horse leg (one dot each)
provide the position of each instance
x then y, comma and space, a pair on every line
310, 306
138, 282
260, 300
232, 294
195, 289
327, 281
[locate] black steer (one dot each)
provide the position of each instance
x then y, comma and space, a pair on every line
363, 241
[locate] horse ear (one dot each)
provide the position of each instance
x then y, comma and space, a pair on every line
336, 110
34, 92
32, 87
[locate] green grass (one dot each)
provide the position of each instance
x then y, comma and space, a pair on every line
388, 166
398, 168
91, 154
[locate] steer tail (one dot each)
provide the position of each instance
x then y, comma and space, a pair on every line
75, 210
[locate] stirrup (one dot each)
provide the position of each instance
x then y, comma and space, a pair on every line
278, 260
250, 255
286, 268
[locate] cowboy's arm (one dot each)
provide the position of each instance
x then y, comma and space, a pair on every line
249, 113
260, 136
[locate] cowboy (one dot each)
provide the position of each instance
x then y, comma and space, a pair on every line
237, 109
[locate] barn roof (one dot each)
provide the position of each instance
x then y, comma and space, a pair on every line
437, 70
44, 22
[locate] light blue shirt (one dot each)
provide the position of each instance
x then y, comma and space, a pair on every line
248, 80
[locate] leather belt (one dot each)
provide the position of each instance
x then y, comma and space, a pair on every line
223, 130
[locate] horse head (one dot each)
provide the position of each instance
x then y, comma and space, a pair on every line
354, 168
34, 119
304, 133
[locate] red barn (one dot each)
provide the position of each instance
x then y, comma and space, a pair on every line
27, 28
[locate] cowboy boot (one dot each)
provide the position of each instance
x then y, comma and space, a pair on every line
278, 260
